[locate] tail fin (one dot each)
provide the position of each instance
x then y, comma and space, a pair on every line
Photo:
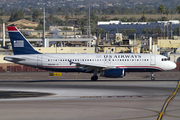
19, 43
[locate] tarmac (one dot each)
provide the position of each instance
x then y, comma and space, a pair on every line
73, 96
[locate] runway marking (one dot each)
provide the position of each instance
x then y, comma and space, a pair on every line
110, 96
76, 74
90, 96
167, 102
138, 117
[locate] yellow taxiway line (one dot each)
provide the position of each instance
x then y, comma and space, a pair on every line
167, 102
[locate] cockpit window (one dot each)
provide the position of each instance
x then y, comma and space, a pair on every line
165, 59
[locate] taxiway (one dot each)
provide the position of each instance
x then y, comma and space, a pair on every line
74, 97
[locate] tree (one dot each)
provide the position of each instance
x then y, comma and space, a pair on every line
124, 19
161, 10
82, 23
167, 13
11, 19
123, 31
104, 18
178, 10
131, 31
67, 17
60, 10
133, 19
16, 16
152, 20
30, 8
36, 15
143, 13
143, 19
164, 19
115, 18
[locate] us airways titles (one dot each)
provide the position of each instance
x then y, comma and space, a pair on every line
122, 56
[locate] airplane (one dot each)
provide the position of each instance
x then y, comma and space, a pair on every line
114, 65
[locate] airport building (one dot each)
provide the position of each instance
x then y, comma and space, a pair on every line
114, 26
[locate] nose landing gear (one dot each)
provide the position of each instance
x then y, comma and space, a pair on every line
152, 76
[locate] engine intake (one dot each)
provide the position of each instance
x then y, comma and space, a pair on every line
113, 73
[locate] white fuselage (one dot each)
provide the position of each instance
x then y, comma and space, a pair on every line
129, 61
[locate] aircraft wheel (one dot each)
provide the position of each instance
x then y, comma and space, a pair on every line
152, 78
94, 78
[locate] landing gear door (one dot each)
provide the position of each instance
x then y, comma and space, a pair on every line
39, 60
153, 60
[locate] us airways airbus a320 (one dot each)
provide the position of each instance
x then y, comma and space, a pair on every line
107, 65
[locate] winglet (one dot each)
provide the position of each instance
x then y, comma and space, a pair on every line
19, 43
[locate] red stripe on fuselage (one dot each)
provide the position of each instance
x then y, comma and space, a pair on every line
12, 28
143, 67
59, 66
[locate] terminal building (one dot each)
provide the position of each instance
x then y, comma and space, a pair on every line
114, 26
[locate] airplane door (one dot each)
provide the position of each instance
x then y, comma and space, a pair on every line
153, 60
39, 60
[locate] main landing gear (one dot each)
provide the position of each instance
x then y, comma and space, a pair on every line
94, 77
152, 76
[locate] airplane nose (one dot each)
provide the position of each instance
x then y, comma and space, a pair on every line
174, 65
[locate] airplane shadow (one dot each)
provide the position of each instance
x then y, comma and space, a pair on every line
31, 81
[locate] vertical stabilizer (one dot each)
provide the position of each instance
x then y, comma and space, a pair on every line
19, 43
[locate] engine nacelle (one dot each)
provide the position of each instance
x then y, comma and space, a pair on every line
113, 73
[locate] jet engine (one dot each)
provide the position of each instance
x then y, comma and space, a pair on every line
113, 73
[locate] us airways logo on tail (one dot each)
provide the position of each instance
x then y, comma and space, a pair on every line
122, 56
18, 43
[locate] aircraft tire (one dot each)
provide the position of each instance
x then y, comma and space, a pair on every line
94, 78
152, 78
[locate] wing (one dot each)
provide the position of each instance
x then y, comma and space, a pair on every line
92, 66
